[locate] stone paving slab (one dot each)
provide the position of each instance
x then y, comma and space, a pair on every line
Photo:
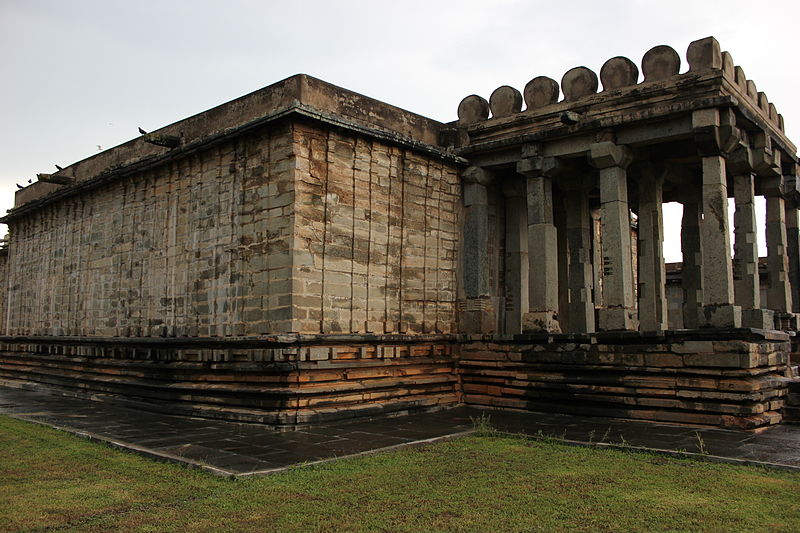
229, 448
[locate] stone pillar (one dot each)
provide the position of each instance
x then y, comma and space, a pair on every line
779, 296
746, 285
542, 245
562, 256
652, 271
718, 296
691, 270
580, 276
618, 304
597, 258
793, 253
478, 315
516, 277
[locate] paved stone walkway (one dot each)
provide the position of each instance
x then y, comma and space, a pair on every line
245, 449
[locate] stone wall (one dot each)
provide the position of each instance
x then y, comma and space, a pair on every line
197, 246
375, 243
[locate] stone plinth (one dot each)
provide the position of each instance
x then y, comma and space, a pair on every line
729, 378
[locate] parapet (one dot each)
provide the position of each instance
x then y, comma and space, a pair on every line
711, 72
300, 94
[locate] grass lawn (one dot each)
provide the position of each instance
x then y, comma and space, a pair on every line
50, 480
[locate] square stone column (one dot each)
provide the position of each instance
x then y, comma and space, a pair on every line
718, 296
793, 253
517, 274
542, 246
746, 285
618, 312
597, 257
652, 271
478, 314
779, 295
580, 276
691, 270
716, 135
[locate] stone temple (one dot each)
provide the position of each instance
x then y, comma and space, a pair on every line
305, 253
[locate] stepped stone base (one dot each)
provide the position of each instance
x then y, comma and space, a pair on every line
729, 378
282, 386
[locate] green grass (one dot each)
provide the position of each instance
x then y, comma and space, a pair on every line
50, 480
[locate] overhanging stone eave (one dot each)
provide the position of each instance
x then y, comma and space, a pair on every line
574, 141
294, 111
753, 114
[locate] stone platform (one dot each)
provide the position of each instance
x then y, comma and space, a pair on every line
727, 378
714, 377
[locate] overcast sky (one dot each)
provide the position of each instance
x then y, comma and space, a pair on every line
81, 75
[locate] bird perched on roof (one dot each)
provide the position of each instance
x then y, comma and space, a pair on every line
142, 131
30, 180
59, 168
19, 186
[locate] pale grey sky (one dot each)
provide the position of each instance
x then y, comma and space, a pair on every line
80, 74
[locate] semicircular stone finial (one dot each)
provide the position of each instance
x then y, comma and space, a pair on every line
741, 79
660, 62
541, 91
773, 113
763, 102
618, 72
704, 54
752, 90
728, 67
505, 101
473, 109
578, 82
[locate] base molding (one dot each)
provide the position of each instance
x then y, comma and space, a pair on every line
710, 377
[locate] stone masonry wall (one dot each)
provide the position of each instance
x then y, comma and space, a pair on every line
195, 247
732, 379
375, 243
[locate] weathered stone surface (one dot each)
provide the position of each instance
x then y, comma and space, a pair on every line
289, 230
541, 91
660, 63
473, 109
618, 72
578, 82
704, 54
505, 101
